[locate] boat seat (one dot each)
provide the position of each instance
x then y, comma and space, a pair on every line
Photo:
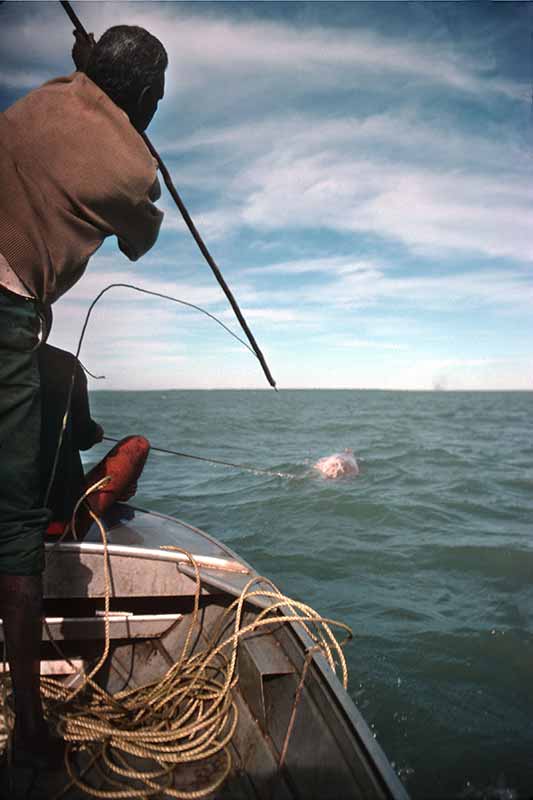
122, 625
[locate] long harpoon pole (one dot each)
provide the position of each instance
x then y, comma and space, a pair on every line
190, 224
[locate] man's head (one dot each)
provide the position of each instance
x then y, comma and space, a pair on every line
128, 64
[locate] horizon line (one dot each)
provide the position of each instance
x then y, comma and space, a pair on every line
312, 389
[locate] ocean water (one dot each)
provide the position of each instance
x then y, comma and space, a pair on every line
427, 554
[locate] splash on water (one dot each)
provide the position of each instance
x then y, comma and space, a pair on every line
338, 465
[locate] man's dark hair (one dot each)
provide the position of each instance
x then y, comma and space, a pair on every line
125, 59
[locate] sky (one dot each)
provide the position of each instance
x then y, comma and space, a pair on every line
361, 173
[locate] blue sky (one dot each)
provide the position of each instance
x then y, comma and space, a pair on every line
360, 171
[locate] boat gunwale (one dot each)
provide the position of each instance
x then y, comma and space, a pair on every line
149, 553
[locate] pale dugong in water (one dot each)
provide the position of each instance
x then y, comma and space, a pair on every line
338, 465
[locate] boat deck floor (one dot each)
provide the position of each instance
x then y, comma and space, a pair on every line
18, 783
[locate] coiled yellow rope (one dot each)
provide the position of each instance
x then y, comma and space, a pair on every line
187, 716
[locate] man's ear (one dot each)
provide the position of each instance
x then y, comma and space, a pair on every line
147, 102
145, 108
145, 98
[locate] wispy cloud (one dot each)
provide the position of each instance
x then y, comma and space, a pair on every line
362, 177
332, 265
371, 344
16, 79
212, 43
411, 138
433, 191
499, 289
215, 43
425, 208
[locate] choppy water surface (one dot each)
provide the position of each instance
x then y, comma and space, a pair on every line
428, 554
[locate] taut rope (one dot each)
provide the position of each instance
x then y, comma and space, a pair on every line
213, 461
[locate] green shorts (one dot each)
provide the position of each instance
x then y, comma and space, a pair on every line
23, 519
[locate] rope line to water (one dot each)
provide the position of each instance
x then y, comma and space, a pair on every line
163, 297
213, 461
187, 716
78, 350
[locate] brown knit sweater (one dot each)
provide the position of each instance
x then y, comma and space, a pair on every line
73, 170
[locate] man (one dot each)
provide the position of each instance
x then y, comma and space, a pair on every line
81, 431
122, 465
73, 170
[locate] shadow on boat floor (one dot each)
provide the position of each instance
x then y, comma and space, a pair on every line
18, 783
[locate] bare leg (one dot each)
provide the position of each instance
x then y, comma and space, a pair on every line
21, 605
21, 608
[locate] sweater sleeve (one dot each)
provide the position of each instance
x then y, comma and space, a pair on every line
137, 229
136, 239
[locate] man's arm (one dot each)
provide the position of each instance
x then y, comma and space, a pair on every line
85, 431
137, 232
155, 192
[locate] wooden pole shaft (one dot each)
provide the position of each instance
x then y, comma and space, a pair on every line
190, 224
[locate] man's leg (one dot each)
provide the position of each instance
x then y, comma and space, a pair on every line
21, 612
23, 520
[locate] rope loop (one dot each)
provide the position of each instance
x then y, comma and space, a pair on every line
187, 716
